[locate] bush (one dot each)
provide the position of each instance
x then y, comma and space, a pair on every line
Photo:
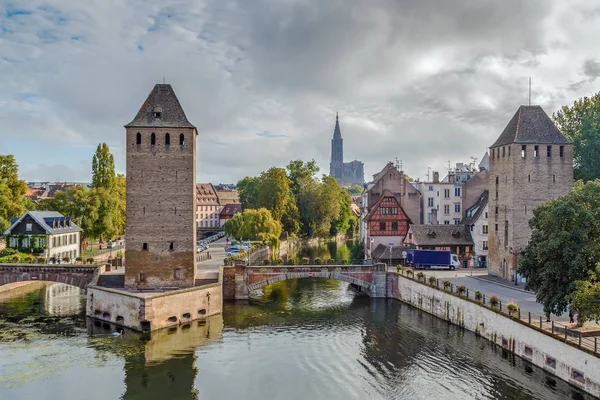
447, 284
478, 295
9, 251
40, 260
79, 259
512, 307
399, 269
16, 257
494, 301
318, 261
29, 258
66, 259
432, 280
420, 276
409, 272
305, 260
266, 261
461, 290
90, 260
330, 261
291, 261
344, 262
280, 261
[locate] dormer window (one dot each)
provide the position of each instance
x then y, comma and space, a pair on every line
157, 114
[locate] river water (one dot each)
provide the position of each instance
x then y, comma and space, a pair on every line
299, 339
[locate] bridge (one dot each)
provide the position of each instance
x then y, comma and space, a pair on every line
76, 275
240, 280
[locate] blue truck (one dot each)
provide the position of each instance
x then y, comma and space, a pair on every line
432, 259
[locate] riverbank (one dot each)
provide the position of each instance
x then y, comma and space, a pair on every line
571, 364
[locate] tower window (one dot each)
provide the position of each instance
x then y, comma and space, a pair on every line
171, 246
548, 151
496, 212
493, 154
142, 277
529, 178
138, 138
167, 139
523, 151
181, 139
562, 151
553, 178
503, 151
536, 152
509, 151
157, 114
177, 274
153, 139
497, 179
145, 246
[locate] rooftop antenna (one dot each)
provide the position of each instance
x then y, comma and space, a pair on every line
397, 162
449, 166
529, 90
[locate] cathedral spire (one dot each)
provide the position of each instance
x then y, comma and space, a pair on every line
337, 133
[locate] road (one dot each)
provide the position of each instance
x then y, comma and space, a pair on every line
217, 252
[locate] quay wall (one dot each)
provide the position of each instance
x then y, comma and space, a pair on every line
568, 363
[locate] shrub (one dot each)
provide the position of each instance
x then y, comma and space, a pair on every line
291, 261
512, 307
409, 272
280, 261
90, 260
79, 259
40, 260
266, 261
420, 276
9, 251
478, 295
399, 269
344, 262
432, 280
318, 261
447, 284
66, 259
494, 301
16, 257
330, 261
461, 289
305, 260
29, 258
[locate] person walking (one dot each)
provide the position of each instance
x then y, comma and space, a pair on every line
571, 319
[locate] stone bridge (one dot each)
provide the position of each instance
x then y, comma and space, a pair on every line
76, 275
240, 280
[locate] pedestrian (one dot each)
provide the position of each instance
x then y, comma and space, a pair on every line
571, 319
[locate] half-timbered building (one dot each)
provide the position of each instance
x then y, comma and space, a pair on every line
387, 220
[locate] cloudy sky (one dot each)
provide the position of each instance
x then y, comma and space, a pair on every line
424, 81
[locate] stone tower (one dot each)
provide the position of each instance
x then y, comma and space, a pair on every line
530, 163
161, 194
336, 167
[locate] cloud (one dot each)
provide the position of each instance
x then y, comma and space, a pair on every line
424, 81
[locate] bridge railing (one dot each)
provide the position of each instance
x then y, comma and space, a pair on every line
311, 261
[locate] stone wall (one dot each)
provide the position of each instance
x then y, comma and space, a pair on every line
560, 359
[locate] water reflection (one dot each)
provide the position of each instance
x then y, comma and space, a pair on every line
326, 250
62, 299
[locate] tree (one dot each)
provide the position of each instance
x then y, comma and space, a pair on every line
12, 191
299, 172
585, 298
564, 245
580, 123
247, 191
233, 227
103, 168
259, 224
273, 193
355, 189
342, 223
119, 191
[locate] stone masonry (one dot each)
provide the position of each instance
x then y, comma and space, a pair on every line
161, 194
530, 163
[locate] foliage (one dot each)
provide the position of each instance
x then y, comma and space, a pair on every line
478, 295
233, 226
564, 245
409, 272
300, 172
512, 308
447, 284
420, 276
432, 280
254, 224
103, 168
357, 250
494, 301
461, 289
247, 189
12, 191
399, 269
355, 189
580, 123
585, 298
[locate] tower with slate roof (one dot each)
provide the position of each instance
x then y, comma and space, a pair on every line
161, 195
530, 163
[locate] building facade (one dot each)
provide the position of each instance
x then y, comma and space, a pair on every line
454, 238
161, 194
208, 206
49, 234
530, 163
476, 218
346, 174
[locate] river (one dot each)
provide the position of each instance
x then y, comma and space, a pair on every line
298, 339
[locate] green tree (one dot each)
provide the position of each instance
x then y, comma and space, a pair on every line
233, 227
247, 189
299, 172
103, 168
580, 123
259, 224
119, 191
342, 223
273, 193
564, 245
585, 298
12, 191
355, 189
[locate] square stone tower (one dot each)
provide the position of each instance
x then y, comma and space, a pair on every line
160, 234
530, 163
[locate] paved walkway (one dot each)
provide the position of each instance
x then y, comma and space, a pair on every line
217, 253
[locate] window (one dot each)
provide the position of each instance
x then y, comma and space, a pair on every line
171, 246
561, 151
548, 151
456, 192
142, 277
446, 222
496, 227
394, 226
503, 151
394, 210
153, 139
497, 180
177, 273
529, 178
28, 227
430, 202
456, 221
383, 210
382, 226
536, 152
486, 215
496, 211
446, 193
447, 209
553, 178
505, 233
456, 207
551, 362
509, 151
484, 245
181, 139
145, 246
523, 151
484, 229
138, 138
430, 188
167, 139
157, 114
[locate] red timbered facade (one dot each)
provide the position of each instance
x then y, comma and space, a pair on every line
387, 218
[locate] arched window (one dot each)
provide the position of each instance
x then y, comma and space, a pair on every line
153, 139
167, 139
181, 137
138, 138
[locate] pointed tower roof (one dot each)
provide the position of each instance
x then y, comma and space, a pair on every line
337, 132
531, 124
161, 109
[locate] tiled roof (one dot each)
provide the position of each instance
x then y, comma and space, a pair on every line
230, 210
530, 124
161, 100
441, 235
473, 212
206, 194
52, 222
228, 196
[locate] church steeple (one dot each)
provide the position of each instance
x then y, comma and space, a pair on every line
337, 132
336, 167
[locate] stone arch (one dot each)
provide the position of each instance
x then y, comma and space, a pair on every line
368, 286
75, 276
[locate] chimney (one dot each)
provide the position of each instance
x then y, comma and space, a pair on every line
436, 177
